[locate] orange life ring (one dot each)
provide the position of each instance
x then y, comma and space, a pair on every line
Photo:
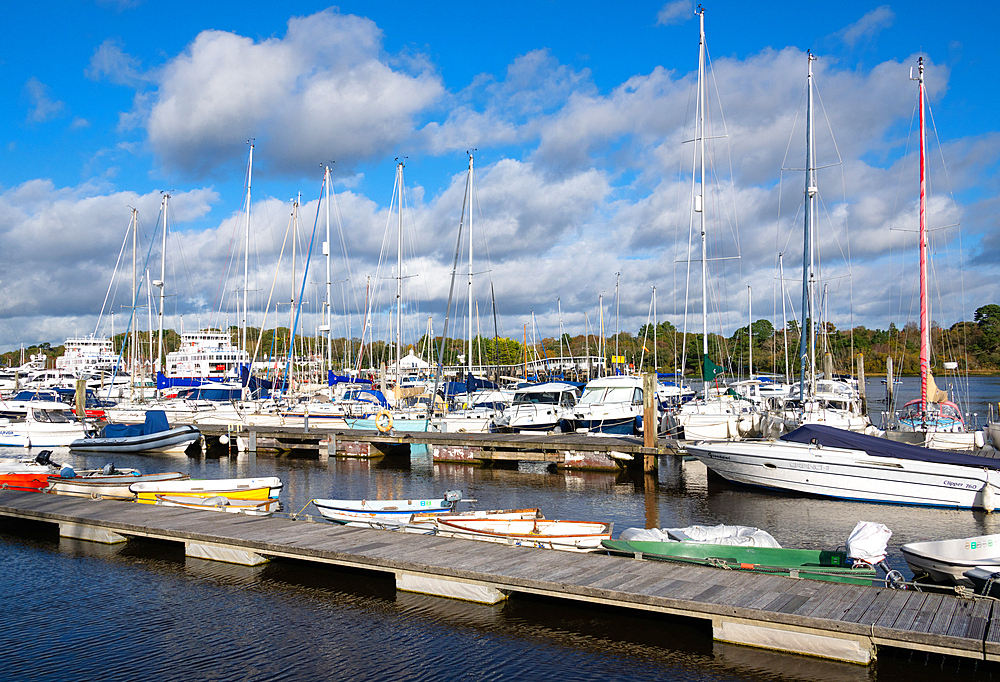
383, 421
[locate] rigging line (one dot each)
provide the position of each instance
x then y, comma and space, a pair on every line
131, 317
115, 272
447, 312
220, 295
305, 278
270, 296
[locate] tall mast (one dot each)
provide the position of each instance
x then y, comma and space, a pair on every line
600, 344
469, 358
246, 254
134, 346
656, 363
925, 340
699, 198
807, 340
163, 274
399, 272
750, 329
329, 299
291, 305
618, 277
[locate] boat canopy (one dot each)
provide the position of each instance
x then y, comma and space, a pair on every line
156, 421
828, 436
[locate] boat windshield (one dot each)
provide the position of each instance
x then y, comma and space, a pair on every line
537, 398
948, 411
599, 395
53, 416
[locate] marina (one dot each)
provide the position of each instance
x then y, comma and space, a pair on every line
843, 622
362, 429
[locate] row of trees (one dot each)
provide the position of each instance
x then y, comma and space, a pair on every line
974, 345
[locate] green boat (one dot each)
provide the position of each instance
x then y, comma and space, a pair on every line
796, 563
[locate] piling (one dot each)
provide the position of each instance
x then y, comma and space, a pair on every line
650, 426
861, 383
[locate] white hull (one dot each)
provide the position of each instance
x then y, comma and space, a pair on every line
370, 513
221, 504
573, 536
107, 486
947, 560
847, 473
229, 487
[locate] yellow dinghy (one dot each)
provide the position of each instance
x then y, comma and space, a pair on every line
268, 487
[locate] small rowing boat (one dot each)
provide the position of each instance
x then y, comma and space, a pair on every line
232, 505
946, 561
377, 512
237, 488
107, 482
24, 476
574, 536
744, 548
797, 563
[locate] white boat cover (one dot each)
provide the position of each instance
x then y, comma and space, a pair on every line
746, 536
867, 542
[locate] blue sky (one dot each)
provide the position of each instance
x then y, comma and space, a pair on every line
577, 112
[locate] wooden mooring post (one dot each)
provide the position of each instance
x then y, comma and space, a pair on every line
650, 427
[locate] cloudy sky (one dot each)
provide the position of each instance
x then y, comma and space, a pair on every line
579, 118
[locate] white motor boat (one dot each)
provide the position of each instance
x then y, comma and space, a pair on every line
821, 460
45, 425
611, 405
540, 408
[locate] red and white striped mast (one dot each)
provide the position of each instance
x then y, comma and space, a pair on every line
925, 340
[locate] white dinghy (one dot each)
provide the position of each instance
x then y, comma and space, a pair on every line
946, 561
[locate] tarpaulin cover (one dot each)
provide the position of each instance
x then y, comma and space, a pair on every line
883, 447
156, 421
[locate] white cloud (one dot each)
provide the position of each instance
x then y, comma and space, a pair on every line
868, 26
43, 107
323, 91
111, 62
675, 12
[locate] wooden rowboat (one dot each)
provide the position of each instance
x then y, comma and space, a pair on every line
574, 536
232, 505
115, 485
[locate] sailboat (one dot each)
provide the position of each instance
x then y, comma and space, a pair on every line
827, 401
818, 459
932, 414
714, 416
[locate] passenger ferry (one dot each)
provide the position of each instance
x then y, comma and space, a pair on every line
204, 355
87, 355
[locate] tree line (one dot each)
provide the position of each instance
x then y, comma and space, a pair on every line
974, 345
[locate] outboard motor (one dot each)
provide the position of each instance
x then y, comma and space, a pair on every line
452, 497
43, 457
867, 544
109, 469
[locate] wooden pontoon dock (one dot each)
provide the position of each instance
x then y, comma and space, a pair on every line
563, 450
831, 620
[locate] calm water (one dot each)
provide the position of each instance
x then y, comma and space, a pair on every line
81, 611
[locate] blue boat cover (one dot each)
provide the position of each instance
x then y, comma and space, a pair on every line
156, 421
883, 447
333, 379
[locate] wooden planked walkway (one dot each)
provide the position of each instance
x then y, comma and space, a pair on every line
803, 616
